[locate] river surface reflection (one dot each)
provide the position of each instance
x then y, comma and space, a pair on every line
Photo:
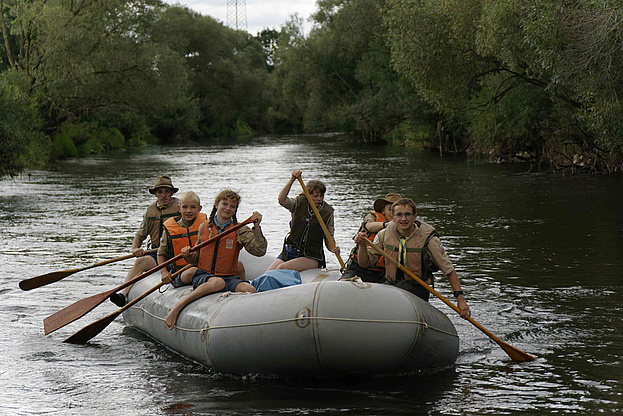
539, 257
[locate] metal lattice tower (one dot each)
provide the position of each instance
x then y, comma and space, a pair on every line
237, 14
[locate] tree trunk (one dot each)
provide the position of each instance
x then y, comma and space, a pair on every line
5, 34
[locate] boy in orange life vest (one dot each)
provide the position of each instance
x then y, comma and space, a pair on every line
373, 222
218, 262
415, 245
180, 233
157, 213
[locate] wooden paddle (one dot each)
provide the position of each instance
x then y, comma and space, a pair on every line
320, 220
46, 279
84, 306
91, 330
514, 353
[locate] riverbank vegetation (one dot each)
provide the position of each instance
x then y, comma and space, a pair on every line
506, 80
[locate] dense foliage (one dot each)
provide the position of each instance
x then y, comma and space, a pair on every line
527, 78
340, 77
508, 79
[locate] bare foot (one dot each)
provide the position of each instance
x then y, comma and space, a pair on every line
171, 318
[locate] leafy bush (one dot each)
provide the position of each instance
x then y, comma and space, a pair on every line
83, 139
63, 146
407, 133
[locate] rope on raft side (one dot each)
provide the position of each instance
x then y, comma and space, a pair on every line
203, 331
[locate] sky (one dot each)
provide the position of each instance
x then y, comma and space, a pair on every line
261, 14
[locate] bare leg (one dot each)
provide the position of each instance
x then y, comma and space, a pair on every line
141, 265
299, 264
275, 264
187, 275
214, 284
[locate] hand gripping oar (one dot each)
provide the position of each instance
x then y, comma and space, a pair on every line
91, 330
321, 221
84, 306
514, 353
46, 279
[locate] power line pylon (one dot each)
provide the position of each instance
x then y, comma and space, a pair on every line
237, 14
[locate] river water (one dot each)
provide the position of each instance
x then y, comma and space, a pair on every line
539, 255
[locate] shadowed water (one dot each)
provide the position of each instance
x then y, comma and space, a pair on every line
539, 257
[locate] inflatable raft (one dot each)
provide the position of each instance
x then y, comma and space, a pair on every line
321, 326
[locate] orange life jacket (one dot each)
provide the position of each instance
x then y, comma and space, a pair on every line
180, 236
221, 257
380, 265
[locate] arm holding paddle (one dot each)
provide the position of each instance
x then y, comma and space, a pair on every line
303, 246
84, 306
282, 198
367, 257
190, 257
137, 250
289, 204
455, 283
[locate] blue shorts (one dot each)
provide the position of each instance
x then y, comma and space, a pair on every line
153, 256
291, 253
231, 282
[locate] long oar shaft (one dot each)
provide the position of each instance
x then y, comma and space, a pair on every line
91, 330
46, 279
84, 306
514, 353
320, 220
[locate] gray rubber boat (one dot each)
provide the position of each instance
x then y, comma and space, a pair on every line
319, 327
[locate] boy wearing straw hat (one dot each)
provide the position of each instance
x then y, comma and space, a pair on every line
157, 213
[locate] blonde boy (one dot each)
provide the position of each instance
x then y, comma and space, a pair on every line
180, 233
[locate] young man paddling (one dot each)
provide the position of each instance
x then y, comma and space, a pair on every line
416, 246
157, 213
302, 248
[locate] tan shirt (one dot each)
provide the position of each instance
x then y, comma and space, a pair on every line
436, 251
369, 217
152, 228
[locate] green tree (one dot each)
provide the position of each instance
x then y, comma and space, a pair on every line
269, 39
82, 58
484, 62
228, 70
340, 76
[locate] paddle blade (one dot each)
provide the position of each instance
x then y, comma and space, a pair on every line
91, 330
514, 353
73, 312
45, 279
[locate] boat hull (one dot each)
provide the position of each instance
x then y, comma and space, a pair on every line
319, 327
